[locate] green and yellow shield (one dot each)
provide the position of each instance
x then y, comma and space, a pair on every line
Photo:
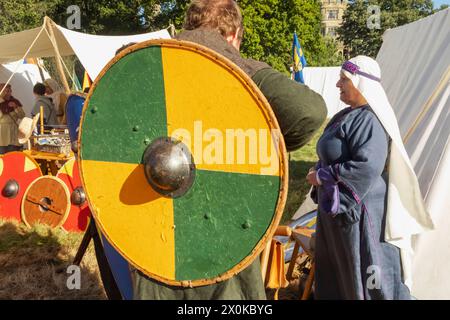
182, 162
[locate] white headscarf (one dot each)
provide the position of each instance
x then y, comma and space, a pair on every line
57, 90
406, 214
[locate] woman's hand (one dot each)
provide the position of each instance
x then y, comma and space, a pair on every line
312, 177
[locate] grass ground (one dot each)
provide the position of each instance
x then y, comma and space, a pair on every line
34, 261
299, 164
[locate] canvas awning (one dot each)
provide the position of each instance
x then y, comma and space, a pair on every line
93, 51
13, 46
415, 72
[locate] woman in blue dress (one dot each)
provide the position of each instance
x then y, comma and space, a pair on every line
354, 257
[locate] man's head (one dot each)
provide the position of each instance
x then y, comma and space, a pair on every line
221, 15
39, 89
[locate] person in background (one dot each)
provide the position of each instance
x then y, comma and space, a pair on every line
11, 112
59, 98
124, 47
49, 111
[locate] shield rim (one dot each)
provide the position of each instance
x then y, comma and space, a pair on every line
272, 121
61, 171
66, 191
26, 156
37, 167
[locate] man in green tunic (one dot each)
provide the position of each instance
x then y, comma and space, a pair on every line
217, 24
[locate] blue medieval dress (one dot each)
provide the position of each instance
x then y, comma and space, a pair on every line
352, 259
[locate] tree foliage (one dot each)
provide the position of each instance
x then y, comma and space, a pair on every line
269, 24
120, 17
117, 17
359, 38
19, 15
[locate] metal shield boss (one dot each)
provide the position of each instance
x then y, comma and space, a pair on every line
182, 162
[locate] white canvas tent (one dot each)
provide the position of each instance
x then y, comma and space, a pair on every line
51, 40
22, 83
415, 72
323, 81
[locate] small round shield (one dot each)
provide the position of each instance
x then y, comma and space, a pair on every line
79, 214
17, 172
182, 161
46, 201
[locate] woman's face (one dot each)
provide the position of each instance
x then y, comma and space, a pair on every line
348, 93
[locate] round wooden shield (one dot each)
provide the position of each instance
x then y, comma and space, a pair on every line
182, 161
78, 218
17, 172
46, 201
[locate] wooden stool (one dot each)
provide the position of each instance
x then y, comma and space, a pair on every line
302, 237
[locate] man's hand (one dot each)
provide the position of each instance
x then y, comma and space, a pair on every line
312, 177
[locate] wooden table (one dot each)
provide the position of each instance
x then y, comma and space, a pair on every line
49, 162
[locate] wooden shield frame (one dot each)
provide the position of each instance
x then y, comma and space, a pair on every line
24, 170
112, 173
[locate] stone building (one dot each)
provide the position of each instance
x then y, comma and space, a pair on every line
332, 13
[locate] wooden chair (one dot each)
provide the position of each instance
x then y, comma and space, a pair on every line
302, 237
272, 268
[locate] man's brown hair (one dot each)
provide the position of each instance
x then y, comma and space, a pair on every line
222, 15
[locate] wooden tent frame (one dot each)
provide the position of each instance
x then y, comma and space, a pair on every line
48, 26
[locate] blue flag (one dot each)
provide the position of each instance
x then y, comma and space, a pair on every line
299, 60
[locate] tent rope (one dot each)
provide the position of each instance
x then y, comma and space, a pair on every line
437, 166
61, 59
20, 62
444, 80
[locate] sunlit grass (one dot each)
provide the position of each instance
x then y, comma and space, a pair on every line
300, 162
34, 261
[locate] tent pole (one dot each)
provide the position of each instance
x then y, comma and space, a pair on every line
41, 73
36, 62
49, 26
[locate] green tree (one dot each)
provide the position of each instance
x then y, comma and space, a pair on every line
359, 38
442, 7
269, 26
20, 15
105, 17
98, 17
